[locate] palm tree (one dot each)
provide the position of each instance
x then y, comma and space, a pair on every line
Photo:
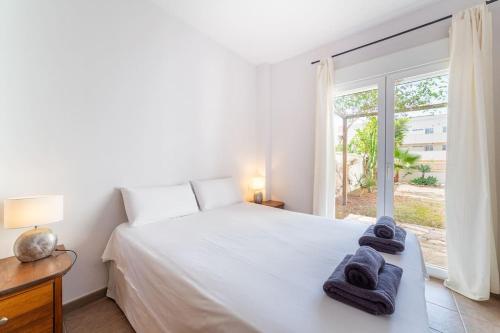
423, 168
404, 160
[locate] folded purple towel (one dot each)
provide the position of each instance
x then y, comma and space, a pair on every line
379, 301
385, 227
363, 268
392, 246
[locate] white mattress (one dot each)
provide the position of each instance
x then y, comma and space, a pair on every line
251, 268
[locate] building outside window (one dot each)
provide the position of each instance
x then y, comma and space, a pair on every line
429, 147
429, 130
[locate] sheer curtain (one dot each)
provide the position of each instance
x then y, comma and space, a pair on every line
324, 157
470, 180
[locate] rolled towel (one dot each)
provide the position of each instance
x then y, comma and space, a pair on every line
363, 268
379, 301
385, 227
392, 246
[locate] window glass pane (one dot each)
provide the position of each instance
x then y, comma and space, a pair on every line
420, 161
356, 121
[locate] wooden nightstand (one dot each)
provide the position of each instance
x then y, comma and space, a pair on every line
31, 293
273, 203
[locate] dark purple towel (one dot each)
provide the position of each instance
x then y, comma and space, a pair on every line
392, 246
379, 301
385, 227
363, 268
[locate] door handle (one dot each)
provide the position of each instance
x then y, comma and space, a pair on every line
3, 320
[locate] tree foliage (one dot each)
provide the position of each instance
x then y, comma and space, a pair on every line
404, 161
421, 94
423, 180
424, 168
426, 92
365, 143
408, 96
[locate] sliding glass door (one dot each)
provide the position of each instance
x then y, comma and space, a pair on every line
391, 153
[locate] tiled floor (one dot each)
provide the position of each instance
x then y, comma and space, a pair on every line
448, 313
101, 316
452, 312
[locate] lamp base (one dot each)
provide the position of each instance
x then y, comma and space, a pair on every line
35, 244
257, 197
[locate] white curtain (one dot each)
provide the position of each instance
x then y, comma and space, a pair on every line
324, 157
471, 218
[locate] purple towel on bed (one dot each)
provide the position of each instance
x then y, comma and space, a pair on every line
392, 246
385, 227
379, 301
363, 268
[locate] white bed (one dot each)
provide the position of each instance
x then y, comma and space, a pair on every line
249, 268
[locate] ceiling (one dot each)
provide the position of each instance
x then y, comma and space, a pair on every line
268, 31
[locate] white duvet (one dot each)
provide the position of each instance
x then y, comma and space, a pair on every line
251, 268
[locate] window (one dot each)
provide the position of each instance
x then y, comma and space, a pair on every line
444, 131
443, 147
386, 165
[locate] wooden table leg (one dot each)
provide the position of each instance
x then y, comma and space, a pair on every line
58, 315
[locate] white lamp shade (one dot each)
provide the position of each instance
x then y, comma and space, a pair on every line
32, 211
258, 183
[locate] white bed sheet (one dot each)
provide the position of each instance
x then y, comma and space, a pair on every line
251, 268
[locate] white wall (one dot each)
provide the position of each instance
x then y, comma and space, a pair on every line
264, 105
99, 94
293, 90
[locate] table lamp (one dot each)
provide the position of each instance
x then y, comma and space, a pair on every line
257, 185
33, 211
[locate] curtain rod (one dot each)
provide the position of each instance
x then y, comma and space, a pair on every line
396, 35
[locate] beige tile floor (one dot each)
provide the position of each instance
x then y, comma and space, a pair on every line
448, 313
452, 312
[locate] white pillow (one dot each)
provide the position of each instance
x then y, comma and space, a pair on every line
214, 193
152, 204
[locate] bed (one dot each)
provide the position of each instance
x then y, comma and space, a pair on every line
249, 268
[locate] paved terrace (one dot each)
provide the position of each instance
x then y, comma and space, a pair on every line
432, 240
